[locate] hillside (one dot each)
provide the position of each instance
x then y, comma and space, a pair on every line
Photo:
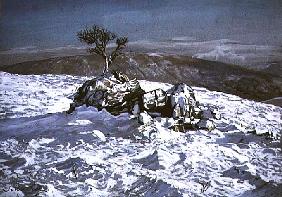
246, 83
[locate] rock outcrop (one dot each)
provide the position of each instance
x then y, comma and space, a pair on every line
113, 91
117, 94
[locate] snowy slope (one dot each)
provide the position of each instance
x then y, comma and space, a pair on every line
90, 153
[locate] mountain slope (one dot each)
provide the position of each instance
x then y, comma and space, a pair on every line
93, 153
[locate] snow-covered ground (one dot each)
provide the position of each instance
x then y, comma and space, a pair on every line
90, 153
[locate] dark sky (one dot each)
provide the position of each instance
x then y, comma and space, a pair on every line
50, 23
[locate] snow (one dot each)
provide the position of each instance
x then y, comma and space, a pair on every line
80, 122
92, 153
99, 134
219, 53
149, 86
11, 193
155, 54
39, 94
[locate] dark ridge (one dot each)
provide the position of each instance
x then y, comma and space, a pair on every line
233, 79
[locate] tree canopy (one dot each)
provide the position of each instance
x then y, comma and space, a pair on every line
98, 38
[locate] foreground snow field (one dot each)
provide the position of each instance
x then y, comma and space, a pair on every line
89, 153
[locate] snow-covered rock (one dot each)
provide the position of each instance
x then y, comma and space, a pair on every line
117, 94
206, 124
145, 118
113, 92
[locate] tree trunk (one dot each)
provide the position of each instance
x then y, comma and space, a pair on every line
106, 67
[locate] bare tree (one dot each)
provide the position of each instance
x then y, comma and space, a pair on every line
99, 38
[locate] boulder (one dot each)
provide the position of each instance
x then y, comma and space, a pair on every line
184, 107
183, 102
157, 102
112, 91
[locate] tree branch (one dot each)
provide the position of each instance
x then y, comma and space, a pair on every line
121, 44
101, 37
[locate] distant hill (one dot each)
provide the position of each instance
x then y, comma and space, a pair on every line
216, 76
